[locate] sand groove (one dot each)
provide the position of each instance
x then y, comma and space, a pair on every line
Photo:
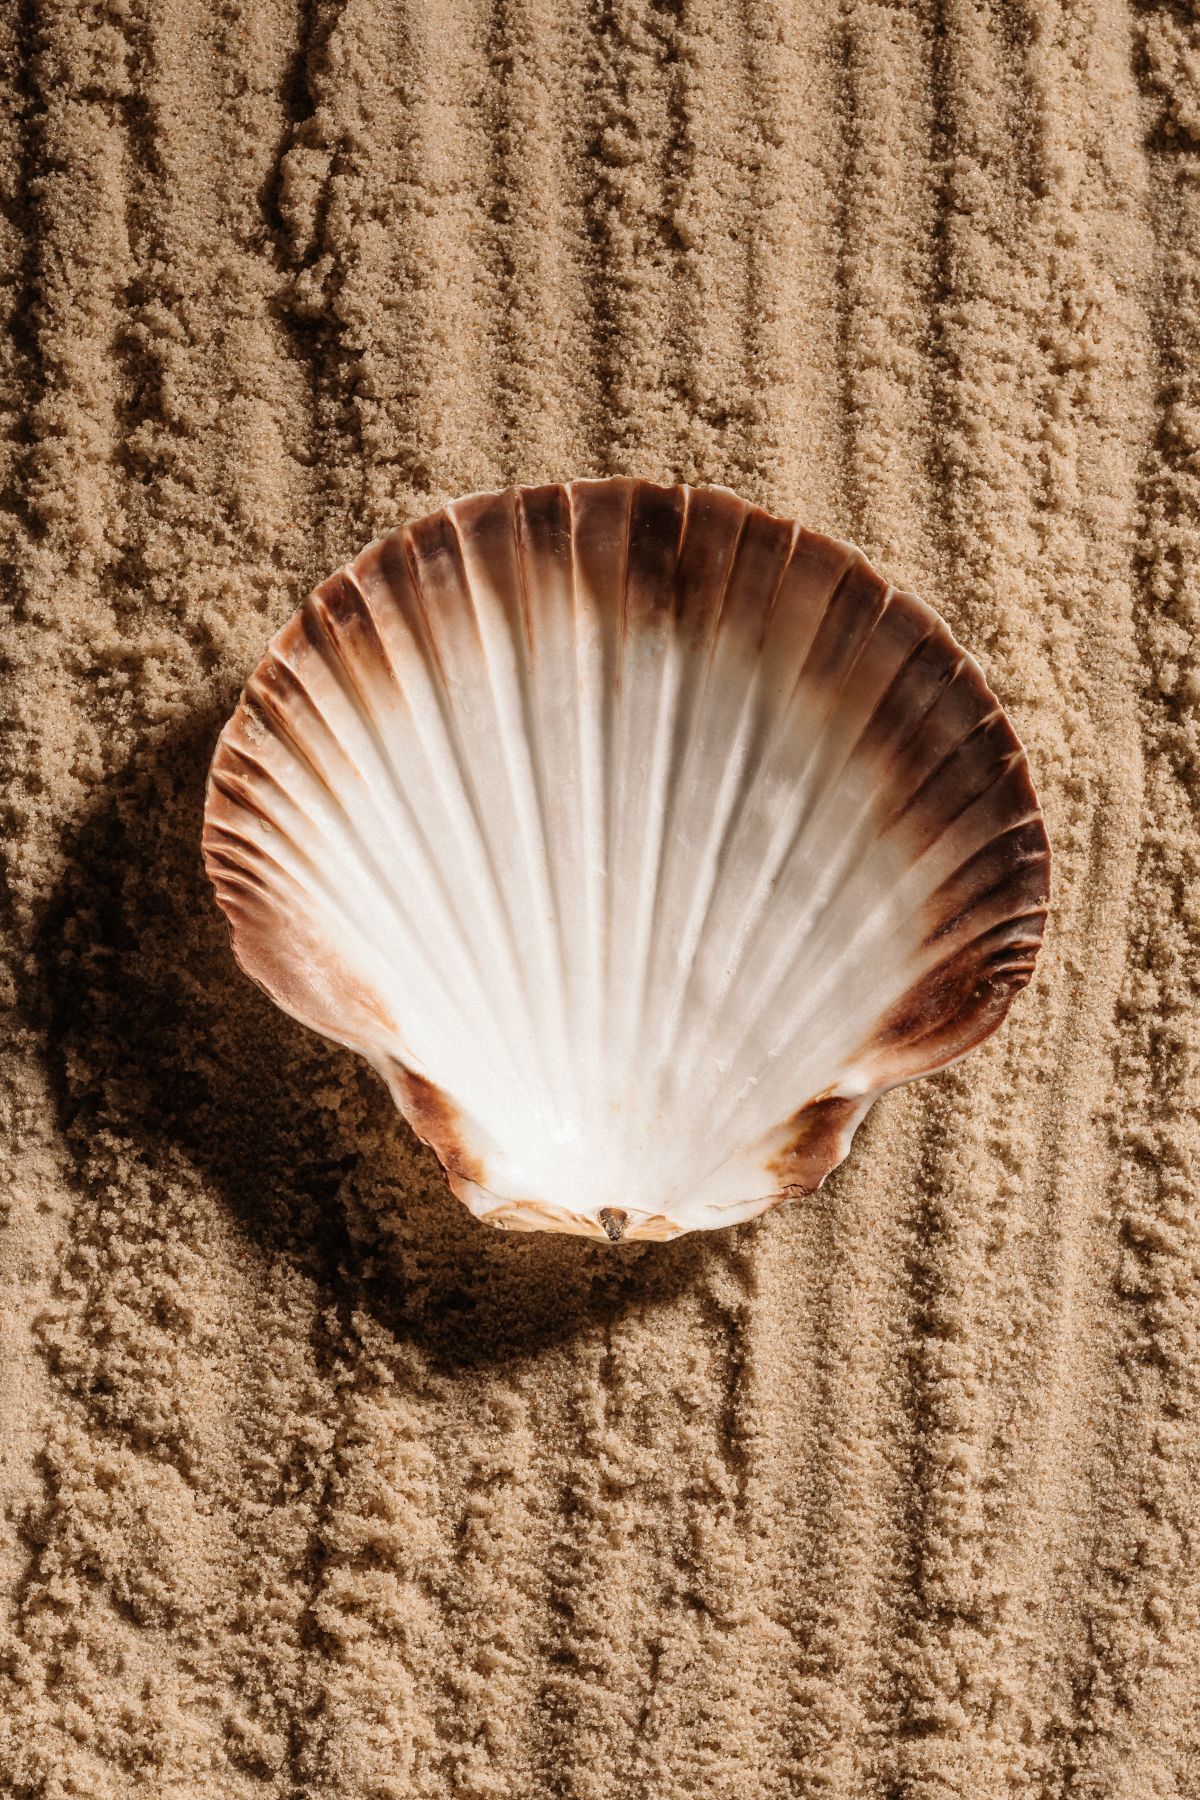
309, 1485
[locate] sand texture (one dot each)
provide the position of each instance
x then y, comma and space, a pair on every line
310, 1485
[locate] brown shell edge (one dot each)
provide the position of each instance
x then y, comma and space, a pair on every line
613, 1225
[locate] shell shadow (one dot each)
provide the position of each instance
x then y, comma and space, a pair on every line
155, 1038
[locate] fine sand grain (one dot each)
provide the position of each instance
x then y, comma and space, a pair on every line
310, 1485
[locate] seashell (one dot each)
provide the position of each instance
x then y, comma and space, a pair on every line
640, 840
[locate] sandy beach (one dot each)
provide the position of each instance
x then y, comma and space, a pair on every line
311, 1486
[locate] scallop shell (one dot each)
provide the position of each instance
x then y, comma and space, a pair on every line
639, 839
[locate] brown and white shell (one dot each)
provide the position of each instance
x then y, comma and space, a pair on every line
639, 839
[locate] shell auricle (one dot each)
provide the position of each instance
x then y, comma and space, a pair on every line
639, 839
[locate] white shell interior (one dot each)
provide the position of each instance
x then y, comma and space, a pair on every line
627, 895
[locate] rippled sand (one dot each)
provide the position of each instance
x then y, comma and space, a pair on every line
311, 1486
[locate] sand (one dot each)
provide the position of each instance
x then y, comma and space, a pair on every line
310, 1485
